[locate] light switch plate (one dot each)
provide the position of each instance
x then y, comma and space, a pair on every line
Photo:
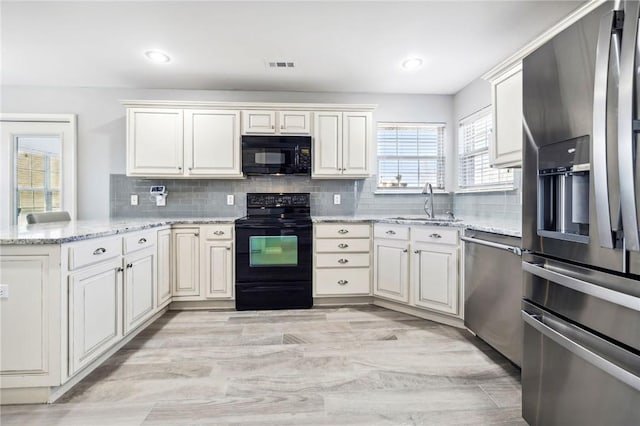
4, 291
336, 199
134, 199
161, 201
230, 199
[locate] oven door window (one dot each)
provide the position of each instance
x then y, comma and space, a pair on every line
273, 250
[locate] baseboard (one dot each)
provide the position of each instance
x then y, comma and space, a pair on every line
342, 301
420, 313
187, 305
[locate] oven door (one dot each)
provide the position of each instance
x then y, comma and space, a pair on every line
275, 252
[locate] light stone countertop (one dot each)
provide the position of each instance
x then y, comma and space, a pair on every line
64, 232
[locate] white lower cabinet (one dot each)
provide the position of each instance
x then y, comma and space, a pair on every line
163, 278
391, 274
139, 288
417, 265
218, 269
95, 312
186, 266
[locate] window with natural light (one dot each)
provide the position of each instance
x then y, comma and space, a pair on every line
474, 171
410, 155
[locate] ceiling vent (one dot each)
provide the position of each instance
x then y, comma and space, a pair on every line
280, 64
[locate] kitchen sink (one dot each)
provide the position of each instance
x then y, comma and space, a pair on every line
426, 219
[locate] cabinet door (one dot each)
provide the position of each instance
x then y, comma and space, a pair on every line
212, 143
297, 122
258, 122
356, 143
218, 270
95, 312
163, 288
391, 272
186, 274
435, 277
327, 144
154, 142
506, 144
139, 287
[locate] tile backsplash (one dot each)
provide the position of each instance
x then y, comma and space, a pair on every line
207, 198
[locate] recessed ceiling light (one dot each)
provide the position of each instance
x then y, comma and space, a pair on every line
410, 64
157, 56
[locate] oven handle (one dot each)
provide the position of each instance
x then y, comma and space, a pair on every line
547, 329
285, 226
582, 286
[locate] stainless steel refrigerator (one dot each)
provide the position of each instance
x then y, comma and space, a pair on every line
581, 180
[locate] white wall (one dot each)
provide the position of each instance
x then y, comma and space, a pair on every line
101, 123
473, 97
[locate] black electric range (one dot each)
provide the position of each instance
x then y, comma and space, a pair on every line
273, 252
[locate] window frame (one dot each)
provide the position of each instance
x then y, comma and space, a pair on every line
442, 159
460, 156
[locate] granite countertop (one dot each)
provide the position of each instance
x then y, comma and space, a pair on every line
64, 232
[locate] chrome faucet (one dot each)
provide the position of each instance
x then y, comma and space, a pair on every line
428, 202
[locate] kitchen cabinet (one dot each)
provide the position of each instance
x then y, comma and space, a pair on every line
169, 142
506, 143
155, 142
391, 262
217, 260
163, 287
276, 122
95, 311
186, 266
342, 260
434, 276
139, 287
342, 144
212, 143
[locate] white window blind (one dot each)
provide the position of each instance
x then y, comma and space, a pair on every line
410, 155
474, 171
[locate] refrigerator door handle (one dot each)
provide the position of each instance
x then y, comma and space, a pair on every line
545, 326
599, 143
626, 134
582, 286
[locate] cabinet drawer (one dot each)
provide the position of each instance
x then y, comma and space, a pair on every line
440, 235
343, 281
342, 260
392, 232
217, 232
343, 230
94, 251
139, 240
343, 245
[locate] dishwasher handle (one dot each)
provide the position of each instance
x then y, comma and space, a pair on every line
515, 250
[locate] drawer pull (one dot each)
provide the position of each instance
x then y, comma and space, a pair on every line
218, 233
435, 236
343, 282
342, 261
343, 231
343, 245
391, 232
99, 251
142, 240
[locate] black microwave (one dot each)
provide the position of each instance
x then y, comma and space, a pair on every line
276, 155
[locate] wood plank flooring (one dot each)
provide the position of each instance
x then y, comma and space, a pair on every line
329, 366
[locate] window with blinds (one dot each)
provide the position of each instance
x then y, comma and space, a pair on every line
474, 172
410, 155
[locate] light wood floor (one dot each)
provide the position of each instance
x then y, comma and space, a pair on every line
334, 366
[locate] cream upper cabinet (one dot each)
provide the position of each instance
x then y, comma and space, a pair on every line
275, 122
154, 142
506, 143
212, 143
342, 144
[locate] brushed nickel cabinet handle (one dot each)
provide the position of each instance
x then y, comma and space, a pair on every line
343, 245
119, 269
416, 251
273, 126
129, 265
435, 236
343, 261
343, 282
179, 168
197, 234
343, 231
99, 251
218, 233
404, 251
142, 240
391, 232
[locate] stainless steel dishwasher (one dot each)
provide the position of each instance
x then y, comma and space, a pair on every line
493, 291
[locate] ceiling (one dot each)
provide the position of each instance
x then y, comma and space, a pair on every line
337, 46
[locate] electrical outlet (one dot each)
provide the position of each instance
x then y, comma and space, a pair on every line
4, 291
134, 199
230, 199
336, 199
